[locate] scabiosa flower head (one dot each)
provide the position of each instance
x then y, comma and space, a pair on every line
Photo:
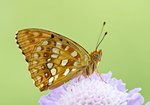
93, 91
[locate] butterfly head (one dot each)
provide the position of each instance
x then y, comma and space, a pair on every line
95, 59
96, 56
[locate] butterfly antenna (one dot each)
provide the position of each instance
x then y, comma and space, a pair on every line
97, 44
101, 40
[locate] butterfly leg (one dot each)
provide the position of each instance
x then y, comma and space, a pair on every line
99, 74
79, 78
83, 74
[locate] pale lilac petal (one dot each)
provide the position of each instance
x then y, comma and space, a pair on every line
136, 90
148, 103
107, 76
45, 101
93, 91
95, 76
135, 98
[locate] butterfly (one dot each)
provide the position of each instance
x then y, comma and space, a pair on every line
55, 59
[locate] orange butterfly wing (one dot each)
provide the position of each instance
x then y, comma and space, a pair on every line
28, 38
53, 59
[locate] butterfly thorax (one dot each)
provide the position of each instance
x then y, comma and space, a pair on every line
93, 63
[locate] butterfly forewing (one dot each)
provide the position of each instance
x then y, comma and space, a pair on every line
53, 58
28, 38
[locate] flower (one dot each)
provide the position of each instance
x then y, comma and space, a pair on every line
94, 91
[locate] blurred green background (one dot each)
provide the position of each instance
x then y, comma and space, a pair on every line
126, 49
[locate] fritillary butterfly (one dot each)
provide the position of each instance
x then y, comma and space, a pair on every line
55, 59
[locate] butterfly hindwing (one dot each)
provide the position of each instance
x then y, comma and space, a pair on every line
53, 58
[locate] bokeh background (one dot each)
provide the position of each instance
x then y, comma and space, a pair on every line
126, 49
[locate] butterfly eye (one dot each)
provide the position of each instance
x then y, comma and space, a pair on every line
96, 56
